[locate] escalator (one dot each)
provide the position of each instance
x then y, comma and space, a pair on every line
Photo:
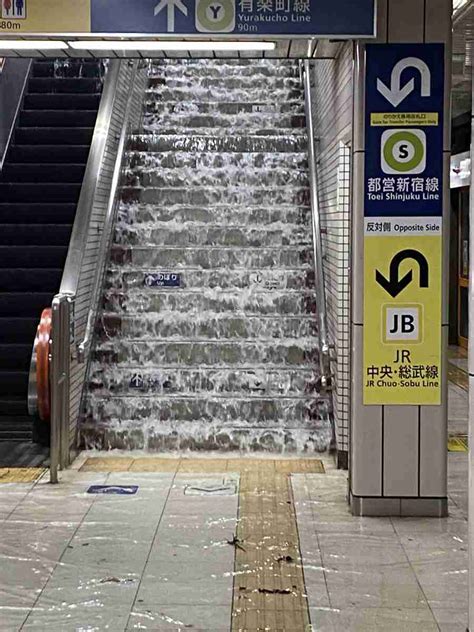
40, 184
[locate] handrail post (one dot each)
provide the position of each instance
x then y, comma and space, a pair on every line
324, 347
60, 356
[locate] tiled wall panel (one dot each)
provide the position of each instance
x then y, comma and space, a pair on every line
333, 125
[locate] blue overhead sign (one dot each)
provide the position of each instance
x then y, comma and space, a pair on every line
334, 18
404, 130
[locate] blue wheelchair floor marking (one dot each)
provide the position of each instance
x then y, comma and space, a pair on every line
120, 490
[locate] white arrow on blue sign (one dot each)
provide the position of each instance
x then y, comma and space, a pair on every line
396, 94
170, 6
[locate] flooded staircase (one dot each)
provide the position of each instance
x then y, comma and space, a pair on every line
208, 334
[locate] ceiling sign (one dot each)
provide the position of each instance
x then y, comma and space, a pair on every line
204, 18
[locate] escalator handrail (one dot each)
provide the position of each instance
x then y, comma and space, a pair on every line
84, 345
324, 346
82, 222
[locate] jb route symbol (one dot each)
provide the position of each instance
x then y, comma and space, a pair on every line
403, 224
332, 18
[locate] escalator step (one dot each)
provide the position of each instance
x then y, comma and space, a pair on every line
25, 172
76, 102
15, 357
47, 154
37, 213
14, 413
30, 192
42, 235
17, 330
24, 304
58, 118
43, 85
34, 257
73, 68
29, 281
14, 382
53, 135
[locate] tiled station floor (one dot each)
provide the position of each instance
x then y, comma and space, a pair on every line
227, 544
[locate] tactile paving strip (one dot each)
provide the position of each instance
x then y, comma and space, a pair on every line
21, 474
458, 444
269, 588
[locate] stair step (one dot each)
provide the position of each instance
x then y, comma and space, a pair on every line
24, 304
30, 192
218, 163
14, 382
42, 85
221, 280
35, 257
49, 154
223, 72
12, 280
66, 136
58, 118
225, 108
15, 357
60, 173
211, 258
221, 302
16, 330
235, 173
76, 102
221, 215
37, 213
213, 354
191, 93
231, 412
230, 143
213, 125
200, 196
155, 326
181, 436
161, 381
188, 236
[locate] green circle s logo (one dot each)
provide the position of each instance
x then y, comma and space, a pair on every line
403, 151
215, 16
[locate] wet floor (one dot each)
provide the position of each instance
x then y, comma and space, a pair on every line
224, 544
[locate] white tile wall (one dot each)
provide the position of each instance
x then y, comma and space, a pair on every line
333, 125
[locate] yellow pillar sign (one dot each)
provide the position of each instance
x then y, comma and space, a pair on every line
402, 311
45, 17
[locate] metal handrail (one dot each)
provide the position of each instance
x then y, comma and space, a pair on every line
84, 345
82, 221
64, 350
324, 346
14, 117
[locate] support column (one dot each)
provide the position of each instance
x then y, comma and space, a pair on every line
398, 457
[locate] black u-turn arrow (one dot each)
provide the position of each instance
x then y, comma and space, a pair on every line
394, 286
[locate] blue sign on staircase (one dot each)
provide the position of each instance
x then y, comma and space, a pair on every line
332, 18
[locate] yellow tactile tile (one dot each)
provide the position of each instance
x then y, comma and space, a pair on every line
458, 444
202, 465
107, 464
458, 376
21, 474
154, 464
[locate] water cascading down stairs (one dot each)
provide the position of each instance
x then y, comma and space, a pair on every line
216, 191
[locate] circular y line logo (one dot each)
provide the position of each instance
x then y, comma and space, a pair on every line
215, 16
